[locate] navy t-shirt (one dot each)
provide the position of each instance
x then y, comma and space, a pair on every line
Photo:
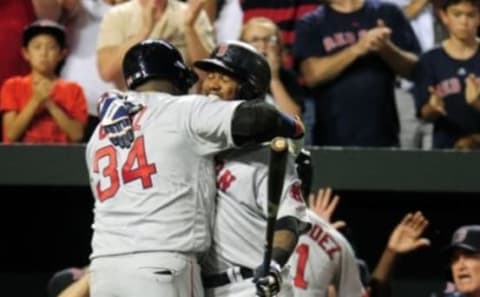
357, 108
436, 68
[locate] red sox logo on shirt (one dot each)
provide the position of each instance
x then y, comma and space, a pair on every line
342, 39
295, 192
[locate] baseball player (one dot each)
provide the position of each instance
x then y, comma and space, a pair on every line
154, 191
324, 259
237, 70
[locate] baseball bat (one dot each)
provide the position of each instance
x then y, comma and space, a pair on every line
276, 176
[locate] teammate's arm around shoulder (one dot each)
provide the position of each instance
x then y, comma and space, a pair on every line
257, 121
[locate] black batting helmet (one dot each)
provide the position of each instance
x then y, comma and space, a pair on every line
156, 59
244, 63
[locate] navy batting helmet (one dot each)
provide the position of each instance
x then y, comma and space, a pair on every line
156, 59
244, 63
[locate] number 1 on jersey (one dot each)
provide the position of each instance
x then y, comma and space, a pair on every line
299, 279
136, 155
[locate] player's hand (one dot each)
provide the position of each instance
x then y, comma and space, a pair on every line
115, 117
324, 205
268, 283
406, 235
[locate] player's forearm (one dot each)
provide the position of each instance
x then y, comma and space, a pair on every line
73, 128
320, 70
16, 124
283, 98
400, 61
284, 242
257, 121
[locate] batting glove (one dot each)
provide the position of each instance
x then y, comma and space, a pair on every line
268, 283
115, 117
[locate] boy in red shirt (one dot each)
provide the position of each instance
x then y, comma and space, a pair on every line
41, 107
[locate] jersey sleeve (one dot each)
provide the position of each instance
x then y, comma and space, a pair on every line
209, 123
348, 282
291, 202
324, 257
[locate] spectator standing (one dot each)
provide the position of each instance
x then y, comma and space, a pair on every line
284, 13
41, 107
414, 132
349, 52
284, 90
447, 84
186, 26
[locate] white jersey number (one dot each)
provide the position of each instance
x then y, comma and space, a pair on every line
136, 155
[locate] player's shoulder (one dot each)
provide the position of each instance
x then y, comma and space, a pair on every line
324, 224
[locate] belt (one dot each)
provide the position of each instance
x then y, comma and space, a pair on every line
231, 275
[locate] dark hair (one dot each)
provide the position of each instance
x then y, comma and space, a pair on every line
52, 28
448, 3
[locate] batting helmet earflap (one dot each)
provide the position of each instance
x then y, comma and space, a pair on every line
157, 59
243, 62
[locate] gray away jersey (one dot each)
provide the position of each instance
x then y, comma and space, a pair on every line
241, 218
158, 195
323, 256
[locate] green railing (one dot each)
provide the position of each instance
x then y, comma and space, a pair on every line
340, 168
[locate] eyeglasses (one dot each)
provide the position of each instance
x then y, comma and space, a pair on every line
265, 39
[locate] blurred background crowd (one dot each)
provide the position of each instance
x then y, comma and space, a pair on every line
360, 73
371, 73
